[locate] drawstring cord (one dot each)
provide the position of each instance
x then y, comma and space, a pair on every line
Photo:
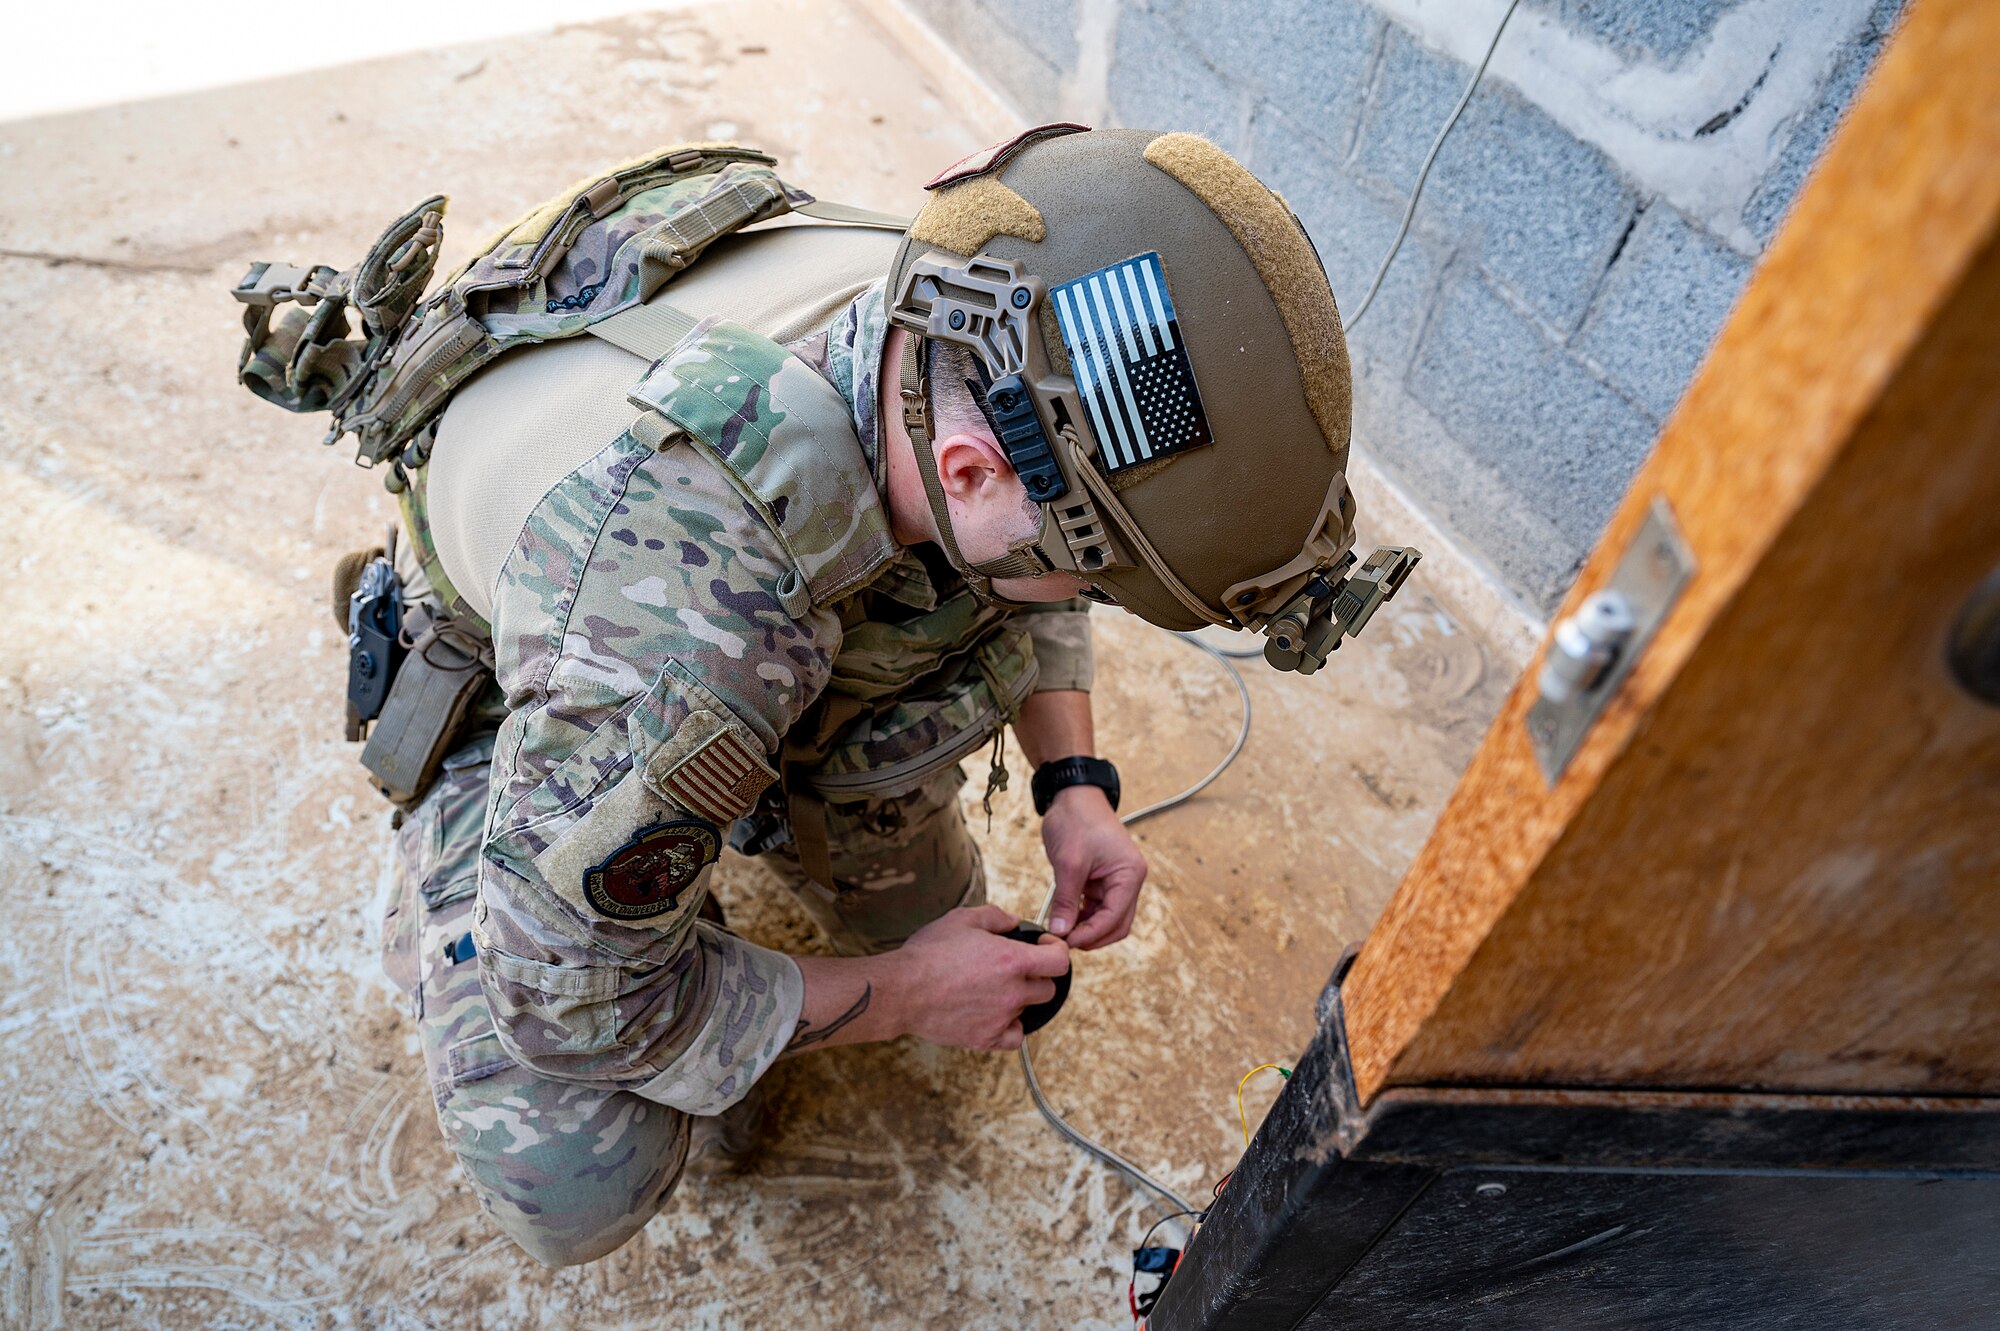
996, 772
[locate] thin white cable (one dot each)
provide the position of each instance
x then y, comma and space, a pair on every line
1089, 1146
1430, 159
1228, 656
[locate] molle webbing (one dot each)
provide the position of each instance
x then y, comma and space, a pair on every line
599, 249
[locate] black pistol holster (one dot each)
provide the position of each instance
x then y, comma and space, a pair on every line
412, 674
368, 583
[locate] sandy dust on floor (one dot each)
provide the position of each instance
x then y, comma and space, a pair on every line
212, 1113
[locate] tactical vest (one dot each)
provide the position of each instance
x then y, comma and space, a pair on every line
595, 251
364, 345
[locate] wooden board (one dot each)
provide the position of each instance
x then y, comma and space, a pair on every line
1775, 863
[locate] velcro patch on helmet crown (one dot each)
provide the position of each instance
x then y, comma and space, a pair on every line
1130, 363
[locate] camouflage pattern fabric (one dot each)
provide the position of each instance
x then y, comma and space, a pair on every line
908, 735
899, 862
560, 270
654, 595
601, 246
568, 1172
607, 645
669, 613
775, 427
692, 588
646, 598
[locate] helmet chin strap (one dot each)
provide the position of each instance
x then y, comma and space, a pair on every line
1023, 561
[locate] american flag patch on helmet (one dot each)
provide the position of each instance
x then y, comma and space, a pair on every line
720, 777
1131, 364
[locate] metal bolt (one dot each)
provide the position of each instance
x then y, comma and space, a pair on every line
957, 320
1021, 297
1586, 644
1491, 1189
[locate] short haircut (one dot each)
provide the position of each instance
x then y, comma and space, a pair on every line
958, 402
955, 379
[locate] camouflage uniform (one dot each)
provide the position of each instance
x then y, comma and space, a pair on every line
671, 611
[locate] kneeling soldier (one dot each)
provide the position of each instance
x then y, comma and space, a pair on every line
803, 519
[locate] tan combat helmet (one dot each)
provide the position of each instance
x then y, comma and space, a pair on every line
1166, 369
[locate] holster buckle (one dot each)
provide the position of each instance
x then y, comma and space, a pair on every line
269, 284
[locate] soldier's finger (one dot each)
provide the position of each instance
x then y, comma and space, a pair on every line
1069, 894
1111, 919
992, 919
1048, 958
1037, 991
1010, 1038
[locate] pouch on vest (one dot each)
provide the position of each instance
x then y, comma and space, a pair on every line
435, 686
893, 749
600, 247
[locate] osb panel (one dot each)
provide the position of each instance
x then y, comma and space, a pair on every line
1773, 862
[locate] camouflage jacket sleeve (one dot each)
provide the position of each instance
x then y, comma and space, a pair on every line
1061, 633
650, 673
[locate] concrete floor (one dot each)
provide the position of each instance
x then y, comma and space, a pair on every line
212, 1114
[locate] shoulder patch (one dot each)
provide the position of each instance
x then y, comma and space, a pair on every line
710, 768
645, 877
995, 157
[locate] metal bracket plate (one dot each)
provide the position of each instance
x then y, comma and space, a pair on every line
1654, 570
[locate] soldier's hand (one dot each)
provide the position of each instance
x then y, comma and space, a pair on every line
1099, 868
965, 983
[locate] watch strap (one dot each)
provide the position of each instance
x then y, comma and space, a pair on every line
1051, 778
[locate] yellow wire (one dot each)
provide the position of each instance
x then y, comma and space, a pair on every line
1286, 1073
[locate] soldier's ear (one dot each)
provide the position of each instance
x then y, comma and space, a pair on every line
973, 469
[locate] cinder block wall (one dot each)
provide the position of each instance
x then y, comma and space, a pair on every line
1584, 232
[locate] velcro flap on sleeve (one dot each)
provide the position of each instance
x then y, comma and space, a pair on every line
568, 981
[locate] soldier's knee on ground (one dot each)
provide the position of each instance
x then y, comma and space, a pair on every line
568, 1172
568, 1247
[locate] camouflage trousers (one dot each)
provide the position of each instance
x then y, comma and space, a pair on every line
571, 1171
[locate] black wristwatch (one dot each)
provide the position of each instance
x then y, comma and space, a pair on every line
1066, 772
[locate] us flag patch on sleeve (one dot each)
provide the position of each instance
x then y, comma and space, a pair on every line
1131, 365
710, 769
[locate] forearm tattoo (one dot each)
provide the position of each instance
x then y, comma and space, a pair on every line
808, 1035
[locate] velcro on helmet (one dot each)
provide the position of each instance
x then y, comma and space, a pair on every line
1282, 255
965, 217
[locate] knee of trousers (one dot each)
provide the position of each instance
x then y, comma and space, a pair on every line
569, 1173
898, 864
